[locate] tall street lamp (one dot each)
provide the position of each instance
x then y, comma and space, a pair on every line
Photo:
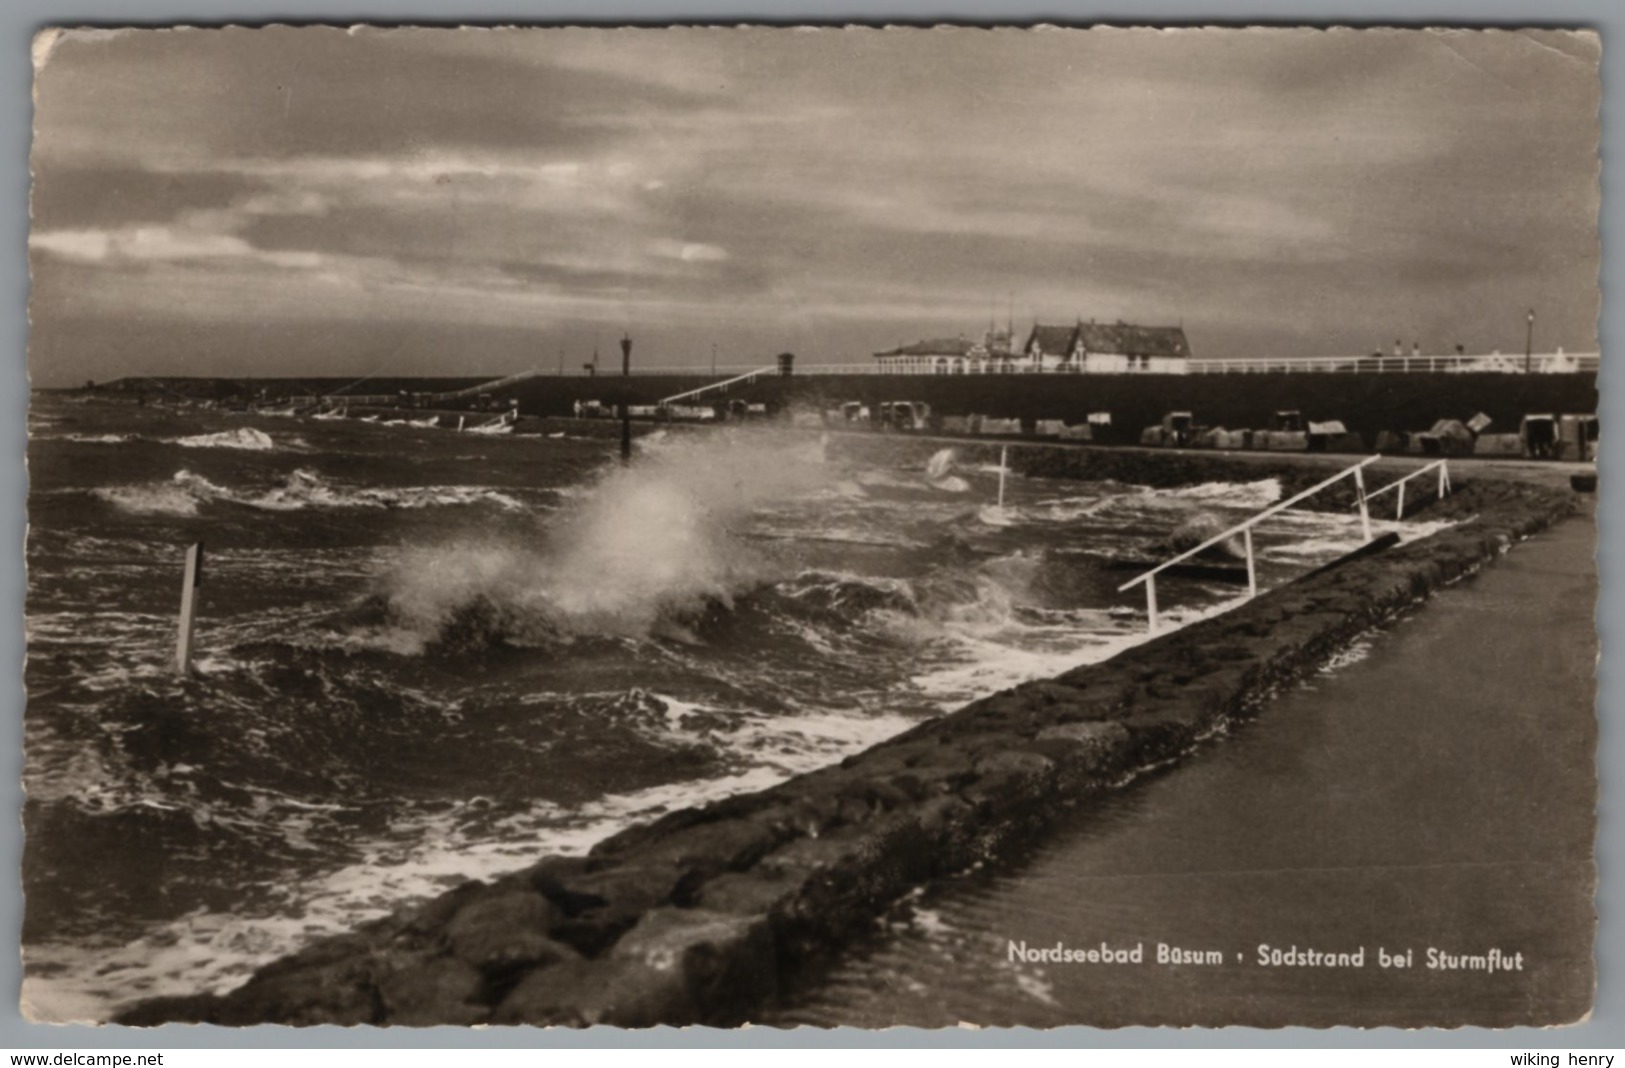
1529, 344
626, 399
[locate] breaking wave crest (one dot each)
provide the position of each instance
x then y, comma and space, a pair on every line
152, 498
243, 437
185, 491
1259, 494
101, 439
642, 553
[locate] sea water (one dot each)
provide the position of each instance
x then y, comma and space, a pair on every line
426, 656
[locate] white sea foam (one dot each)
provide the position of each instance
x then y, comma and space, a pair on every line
1356, 651
243, 437
647, 546
994, 515
978, 661
307, 489
888, 480
303, 488
422, 856
635, 546
1259, 494
152, 498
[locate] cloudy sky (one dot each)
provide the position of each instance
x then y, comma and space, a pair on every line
303, 201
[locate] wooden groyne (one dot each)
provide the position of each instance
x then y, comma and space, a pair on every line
702, 915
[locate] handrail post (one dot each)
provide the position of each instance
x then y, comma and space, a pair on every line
1245, 528
190, 580
1252, 573
1400, 514
1365, 511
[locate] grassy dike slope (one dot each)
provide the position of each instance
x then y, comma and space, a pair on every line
698, 916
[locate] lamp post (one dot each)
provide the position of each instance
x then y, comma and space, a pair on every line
1529, 344
626, 399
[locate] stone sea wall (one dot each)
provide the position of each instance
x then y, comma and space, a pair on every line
700, 916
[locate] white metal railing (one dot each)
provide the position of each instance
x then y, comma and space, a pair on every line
484, 387
686, 370
1399, 484
1541, 363
1454, 363
1494, 363
1245, 528
748, 376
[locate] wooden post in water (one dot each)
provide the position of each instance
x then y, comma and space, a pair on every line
626, 399
189, 586
1252, 571
1004, 465
1365, 510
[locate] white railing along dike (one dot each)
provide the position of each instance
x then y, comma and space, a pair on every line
1245, 528
484, 387
748, 376
1493, 363
1398, 485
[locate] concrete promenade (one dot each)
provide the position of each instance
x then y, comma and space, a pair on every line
1435, 792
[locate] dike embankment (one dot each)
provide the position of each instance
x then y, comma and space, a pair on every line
1366, 403
702, 915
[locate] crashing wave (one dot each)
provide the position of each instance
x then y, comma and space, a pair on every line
644, 552
302, 489
101, 439
1259, 494
153, 498
243, 437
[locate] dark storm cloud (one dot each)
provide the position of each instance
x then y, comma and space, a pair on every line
184, 97
1284, 192
112, 196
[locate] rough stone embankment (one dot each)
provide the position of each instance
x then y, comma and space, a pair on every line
697, 917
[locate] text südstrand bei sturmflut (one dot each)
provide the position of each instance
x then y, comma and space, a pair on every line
1267, 956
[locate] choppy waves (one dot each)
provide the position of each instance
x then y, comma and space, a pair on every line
242, 438
385, 708
183, 493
